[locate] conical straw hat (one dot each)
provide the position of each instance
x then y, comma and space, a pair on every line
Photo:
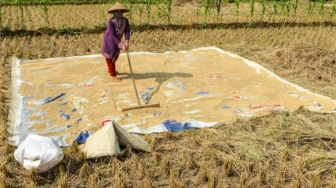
118, 6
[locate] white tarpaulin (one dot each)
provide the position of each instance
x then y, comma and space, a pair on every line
62, 97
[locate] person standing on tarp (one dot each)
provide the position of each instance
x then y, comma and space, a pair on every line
117, 26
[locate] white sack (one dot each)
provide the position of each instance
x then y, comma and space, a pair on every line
107, 141
125, 138
102, 143
38, 152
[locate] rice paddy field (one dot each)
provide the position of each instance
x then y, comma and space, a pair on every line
294, 39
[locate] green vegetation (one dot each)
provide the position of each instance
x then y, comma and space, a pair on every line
152, 12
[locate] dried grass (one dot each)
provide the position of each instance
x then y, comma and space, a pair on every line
3, 174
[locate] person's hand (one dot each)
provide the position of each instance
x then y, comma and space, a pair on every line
123, 48
126, 45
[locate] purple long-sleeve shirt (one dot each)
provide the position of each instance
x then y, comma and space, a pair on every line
112, 37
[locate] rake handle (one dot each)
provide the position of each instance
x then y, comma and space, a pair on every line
135, 88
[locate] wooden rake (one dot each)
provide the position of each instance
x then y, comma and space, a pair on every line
136, 91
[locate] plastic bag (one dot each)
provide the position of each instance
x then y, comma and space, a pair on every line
38, 152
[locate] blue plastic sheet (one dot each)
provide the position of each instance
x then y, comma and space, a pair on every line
49, 99
81, 138
145, 96
174, 126
225, 107
67, 117
80, 119
202, 92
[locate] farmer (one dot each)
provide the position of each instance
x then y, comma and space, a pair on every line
112, 44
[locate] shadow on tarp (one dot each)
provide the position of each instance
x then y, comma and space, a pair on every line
160, 77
